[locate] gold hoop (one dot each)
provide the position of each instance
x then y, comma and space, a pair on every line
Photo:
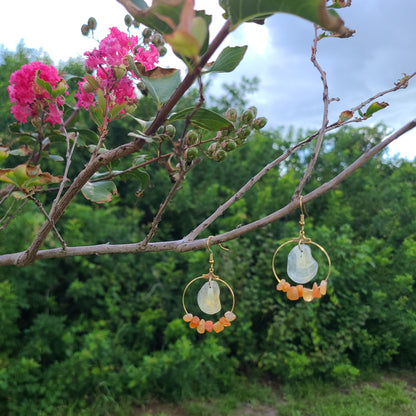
209, 276
301, 240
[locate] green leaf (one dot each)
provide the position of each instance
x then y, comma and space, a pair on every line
204, 119
45, 85
374, 107
161, 85
85, 136
99, 192
97, 115
56, 158
240, 11
4, 152
228, 59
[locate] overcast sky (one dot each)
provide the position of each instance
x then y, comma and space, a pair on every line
382, 49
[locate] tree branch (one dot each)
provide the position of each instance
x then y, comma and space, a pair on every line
184, 245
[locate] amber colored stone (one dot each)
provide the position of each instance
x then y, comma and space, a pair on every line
315, 291
224, 321
201, 326
307, 295
218, 327
292, 293
229, 316
299, 288
188, 317
194, 322
280, 284
285, 286
208, 326
322, 287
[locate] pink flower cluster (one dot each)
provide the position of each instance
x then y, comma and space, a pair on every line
30, 99
107, 61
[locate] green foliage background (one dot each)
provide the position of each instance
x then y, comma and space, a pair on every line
79, 332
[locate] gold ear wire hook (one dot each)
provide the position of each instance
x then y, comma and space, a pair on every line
211, 256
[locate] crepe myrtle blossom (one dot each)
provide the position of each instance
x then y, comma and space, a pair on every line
110, 65
33, 101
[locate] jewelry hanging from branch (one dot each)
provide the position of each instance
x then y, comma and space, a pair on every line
301, 267
209, 301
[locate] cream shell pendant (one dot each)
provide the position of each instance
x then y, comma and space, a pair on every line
301, 266
209, 298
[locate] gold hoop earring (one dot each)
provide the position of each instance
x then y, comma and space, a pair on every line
301, 267
209, 301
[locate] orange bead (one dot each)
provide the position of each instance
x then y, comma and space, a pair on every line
224, 321
285, 286
315, 291
201, 326
307, 295
218, 327
322, 287
229, 316
292, 293
208, 326
300, 290
194, 322
188, 317
280, 284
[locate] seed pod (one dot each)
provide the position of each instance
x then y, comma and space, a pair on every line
85, 30
191, 137
128, 20
259, 123
92, 23
191, 153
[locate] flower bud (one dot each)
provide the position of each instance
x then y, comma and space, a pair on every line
157, 40
259, 123
147, 33
87, 87
254, 110
162, 51
92, 23
85, 30
142, 88
212, 148
191, 137
130, 108
61, 87
247, 117
231, 114
244, 132
228, 145
170, 130
128, 20
119, 71
191, 153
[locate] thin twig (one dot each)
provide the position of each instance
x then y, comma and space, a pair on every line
10, 218
40, 206
321, 133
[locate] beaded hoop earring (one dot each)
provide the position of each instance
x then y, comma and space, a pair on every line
209, 301
301, 267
